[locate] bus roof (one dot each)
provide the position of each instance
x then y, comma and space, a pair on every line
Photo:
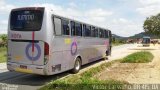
146, 37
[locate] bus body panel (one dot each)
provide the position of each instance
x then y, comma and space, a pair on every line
32, 69
87, 48
21, 52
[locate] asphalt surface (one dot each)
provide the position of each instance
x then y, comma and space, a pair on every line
21, 81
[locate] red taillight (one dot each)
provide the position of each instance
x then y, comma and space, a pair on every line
46, 49
46, 53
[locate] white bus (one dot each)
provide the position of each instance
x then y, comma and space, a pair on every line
40, 42
146, 41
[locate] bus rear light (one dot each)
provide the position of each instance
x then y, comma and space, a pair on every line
46, 49
46, 53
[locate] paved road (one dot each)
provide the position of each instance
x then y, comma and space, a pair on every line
22, 81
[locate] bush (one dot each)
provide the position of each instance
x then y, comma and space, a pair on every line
3, 42
138, 57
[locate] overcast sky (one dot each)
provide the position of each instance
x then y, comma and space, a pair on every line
122, 17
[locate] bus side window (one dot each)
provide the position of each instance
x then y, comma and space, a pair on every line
65, 27
88, 31
110, 37
84, 30
100, 33
106, 33
103, 34
72, 28
78, 29
57, 23
93, 34
96, 32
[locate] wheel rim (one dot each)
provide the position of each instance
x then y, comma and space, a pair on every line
77, 65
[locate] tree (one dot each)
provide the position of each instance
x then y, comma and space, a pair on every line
152, 25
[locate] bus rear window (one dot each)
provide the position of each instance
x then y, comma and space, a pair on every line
26, 20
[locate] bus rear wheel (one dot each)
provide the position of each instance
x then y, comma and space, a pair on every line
108, 52
77, 66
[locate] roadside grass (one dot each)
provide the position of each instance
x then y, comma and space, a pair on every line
138, 57
3, 52
85, 81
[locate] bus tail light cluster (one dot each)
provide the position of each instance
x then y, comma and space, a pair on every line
46, 53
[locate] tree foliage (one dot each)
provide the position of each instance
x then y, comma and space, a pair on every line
4, 37
3, 41
152, 25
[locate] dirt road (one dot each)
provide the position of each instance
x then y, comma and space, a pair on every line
136, 73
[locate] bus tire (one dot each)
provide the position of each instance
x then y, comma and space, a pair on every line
77, 66
108, 52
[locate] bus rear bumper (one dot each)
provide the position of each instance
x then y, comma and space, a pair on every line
32, 69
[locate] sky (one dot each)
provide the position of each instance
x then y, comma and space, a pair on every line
122, 17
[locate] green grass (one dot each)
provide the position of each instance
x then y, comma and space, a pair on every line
3, 52
138, 57
87, 81
84, 81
